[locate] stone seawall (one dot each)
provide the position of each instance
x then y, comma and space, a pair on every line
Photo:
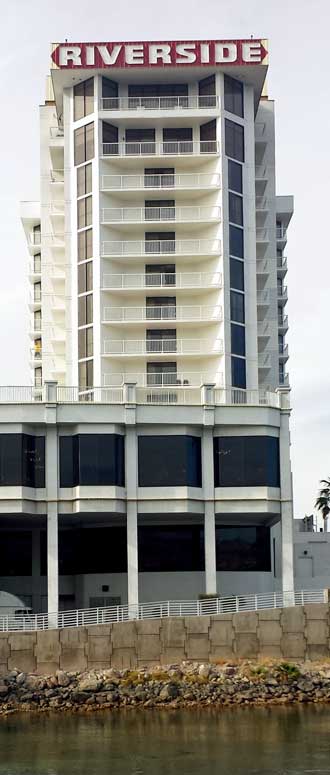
299, 633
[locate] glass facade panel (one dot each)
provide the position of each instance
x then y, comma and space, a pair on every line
236, 274
237, 339
246, 461
173, 461
238, 373
235, 208
236, 241
235, 178
234, 96
171, 548
92, 460
237, 307
234, 140
243, 548
22, 460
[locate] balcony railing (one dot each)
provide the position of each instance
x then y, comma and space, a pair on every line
35, 295
147, 214
262, 234
187, 247
171, 180
56, 132
281, 233
184, 280
283, 351
263, 266
175, 102
283, 322
57, 208
163, 379
35, 238
35, 266
282, 264
192, 314
162, 347
264, 328
264, 361
282, 293
262, 203
284, 379
167, 148
261, 171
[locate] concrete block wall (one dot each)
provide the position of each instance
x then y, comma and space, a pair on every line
295, 633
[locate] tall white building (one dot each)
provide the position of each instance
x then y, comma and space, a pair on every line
156, 280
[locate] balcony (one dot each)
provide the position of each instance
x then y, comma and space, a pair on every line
57, 176
162, 347
169, 148
36, 328
262, 235
186, 247
260, 132
261, 172
36, 356
264, 361
56, 135
284, 379
172, 181
162, 314
263, 266
282, 295
56, 208
165, 281
282, 266
35, 297
34, 269
263, 298
180, 103
262, 203
283, 352
264, 329
164, 379
281, 234
283, 324
136, 215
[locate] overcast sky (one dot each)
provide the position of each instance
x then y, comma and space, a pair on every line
298, 81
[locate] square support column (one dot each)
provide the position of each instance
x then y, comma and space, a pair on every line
209, 515
286, 507
131, 461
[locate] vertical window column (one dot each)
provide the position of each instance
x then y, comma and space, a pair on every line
234, 146
85, 276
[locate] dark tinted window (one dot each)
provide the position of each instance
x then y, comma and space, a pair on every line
92, 459
246, 461
237, 307
236, 274
83, 98
243, 548
22, 460
16, 552
234, 96
236, 241
83, 144
88, 550
235, 182
238, 373
235, 208
171, 548
172, 461
237, 339
234, 140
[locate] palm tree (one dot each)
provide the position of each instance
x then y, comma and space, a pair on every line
322, 503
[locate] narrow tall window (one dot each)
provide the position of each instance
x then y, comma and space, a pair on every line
83, 97
83, 144
234, 96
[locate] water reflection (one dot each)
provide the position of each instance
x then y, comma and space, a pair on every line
261, 741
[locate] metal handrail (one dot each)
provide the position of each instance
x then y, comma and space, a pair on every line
161, 346
166, 148
162, 280
163, 379
162, 312
147, 214
172, 180
168, 102
189, 247
160, 610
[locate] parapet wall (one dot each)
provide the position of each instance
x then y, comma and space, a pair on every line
290, 633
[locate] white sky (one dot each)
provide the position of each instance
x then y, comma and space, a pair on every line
298, 81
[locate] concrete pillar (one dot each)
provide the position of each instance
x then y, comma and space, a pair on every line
36, 574
209, 516
131, 460
52, 516
286, 507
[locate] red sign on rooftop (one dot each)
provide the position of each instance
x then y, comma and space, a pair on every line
159, 54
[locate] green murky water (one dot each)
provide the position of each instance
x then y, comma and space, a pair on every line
261, 741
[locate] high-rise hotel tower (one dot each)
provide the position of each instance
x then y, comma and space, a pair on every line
157, 294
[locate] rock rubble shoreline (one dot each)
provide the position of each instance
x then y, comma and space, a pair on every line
184, 685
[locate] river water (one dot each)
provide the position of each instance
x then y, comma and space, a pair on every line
260, 741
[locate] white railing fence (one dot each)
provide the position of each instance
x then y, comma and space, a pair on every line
159, 610
167, 148
162, 180
168, 102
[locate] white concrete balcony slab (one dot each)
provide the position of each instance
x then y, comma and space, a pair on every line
170, 148
263, 266
166, 103
261, 172
262, 203
283, 324
281, 235
262, 234
147, 215
34, 269
162, 281
35, 297
56, 209
56, 136
164, 379
36, 240
264, 329
160, 348
185, 247
180, 182
162, 314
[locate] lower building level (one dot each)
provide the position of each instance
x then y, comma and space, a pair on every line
108, 504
